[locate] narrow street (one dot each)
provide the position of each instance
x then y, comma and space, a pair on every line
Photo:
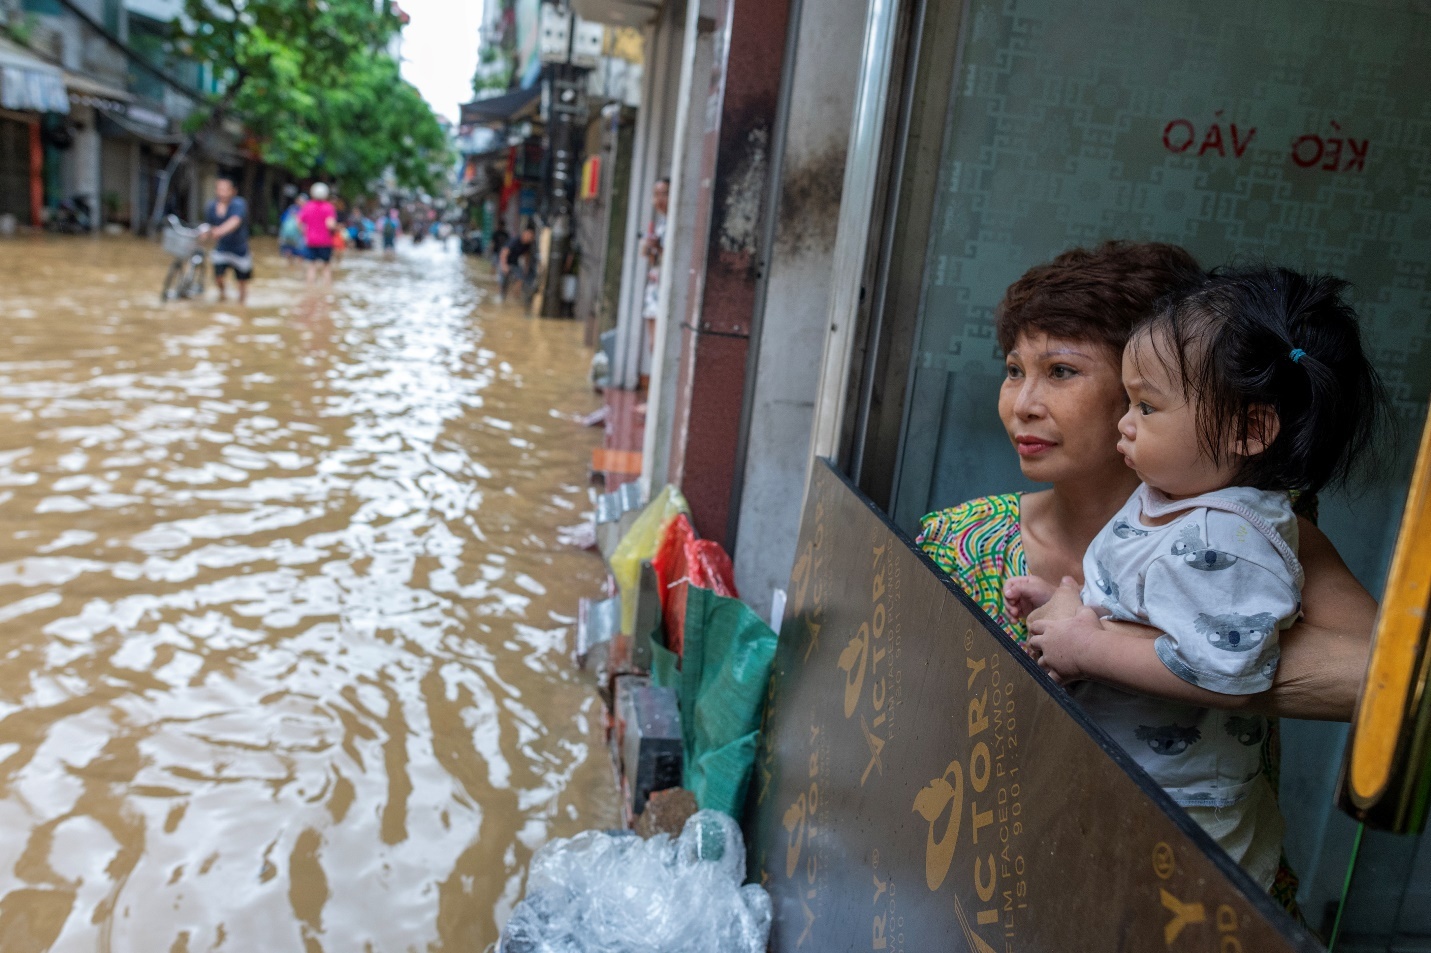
286, 629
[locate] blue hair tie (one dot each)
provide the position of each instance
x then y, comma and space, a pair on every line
1297, 354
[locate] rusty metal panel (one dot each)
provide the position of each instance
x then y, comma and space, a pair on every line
922, 787
731, 205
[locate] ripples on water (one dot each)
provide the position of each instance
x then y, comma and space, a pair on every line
283, 625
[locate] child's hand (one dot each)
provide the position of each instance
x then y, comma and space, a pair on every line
1024, 594
1065, 602
1058, 645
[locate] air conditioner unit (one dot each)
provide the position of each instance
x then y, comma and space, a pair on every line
554, 37
588, 43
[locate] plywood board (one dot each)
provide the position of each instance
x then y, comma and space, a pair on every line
921, 786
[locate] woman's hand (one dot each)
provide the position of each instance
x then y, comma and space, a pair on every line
1024, 594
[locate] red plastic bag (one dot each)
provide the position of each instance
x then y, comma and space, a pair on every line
670, 566
670, 560
710, 568
682, 561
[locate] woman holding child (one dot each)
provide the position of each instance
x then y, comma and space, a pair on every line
1064, 328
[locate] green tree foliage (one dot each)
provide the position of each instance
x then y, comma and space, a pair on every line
311, 79
494, 72
357, 128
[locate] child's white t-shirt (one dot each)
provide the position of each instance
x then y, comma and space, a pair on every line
1220, 581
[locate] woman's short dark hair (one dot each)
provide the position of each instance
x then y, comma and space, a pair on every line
1264, 337
1097, 294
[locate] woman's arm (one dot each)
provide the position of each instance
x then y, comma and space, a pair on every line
1323, 655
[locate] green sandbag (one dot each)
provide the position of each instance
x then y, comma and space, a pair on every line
725, 669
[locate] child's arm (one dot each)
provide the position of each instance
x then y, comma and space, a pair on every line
1119, 654
1214, 614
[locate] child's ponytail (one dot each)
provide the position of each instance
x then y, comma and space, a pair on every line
1254, 340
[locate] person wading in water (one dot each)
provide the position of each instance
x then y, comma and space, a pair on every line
226, 225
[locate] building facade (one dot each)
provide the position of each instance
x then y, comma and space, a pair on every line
95, 105
855, 182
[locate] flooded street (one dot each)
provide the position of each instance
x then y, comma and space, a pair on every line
284, 627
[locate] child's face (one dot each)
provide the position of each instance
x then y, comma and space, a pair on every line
1158, 436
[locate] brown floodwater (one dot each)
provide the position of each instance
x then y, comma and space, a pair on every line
284, 625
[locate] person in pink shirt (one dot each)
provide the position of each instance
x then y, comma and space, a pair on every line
319, 219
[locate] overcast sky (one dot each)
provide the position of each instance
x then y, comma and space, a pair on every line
439, 50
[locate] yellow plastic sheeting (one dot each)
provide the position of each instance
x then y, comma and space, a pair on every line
639, 544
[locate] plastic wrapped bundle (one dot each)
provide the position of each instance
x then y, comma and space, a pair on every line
612, 892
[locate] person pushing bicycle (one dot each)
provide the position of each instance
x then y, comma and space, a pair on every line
226, 224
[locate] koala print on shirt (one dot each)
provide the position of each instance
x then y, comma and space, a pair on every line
1236, 633
1189, 545
1104, 583
1125, 530
1269, 667
1209, 560
1189, 540
1248, 731
1168, 740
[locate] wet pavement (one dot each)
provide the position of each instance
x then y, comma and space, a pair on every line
284, 627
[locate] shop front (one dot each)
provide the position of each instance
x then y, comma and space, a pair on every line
15, 165
999, 135
30, 90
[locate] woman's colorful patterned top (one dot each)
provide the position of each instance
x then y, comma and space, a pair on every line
979, 545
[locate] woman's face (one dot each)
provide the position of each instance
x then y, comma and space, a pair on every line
1060, 403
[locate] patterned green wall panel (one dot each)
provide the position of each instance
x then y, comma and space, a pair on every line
1297, 131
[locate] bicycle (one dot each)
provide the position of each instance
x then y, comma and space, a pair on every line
188, 273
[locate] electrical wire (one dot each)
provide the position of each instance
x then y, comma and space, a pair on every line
1346, 889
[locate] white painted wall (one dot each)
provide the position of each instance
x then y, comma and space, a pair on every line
654, 143
679, 271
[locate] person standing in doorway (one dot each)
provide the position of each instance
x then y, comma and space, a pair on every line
226, 225
518, 260
653, 245
319, 220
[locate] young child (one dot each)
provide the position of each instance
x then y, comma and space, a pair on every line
1250, 388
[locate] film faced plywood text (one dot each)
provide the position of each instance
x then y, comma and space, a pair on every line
920, 787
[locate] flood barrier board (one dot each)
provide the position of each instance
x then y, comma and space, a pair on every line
922, 786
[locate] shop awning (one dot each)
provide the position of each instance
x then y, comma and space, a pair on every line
28, 83
85, 91
136, 122
617, 12
504, 108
